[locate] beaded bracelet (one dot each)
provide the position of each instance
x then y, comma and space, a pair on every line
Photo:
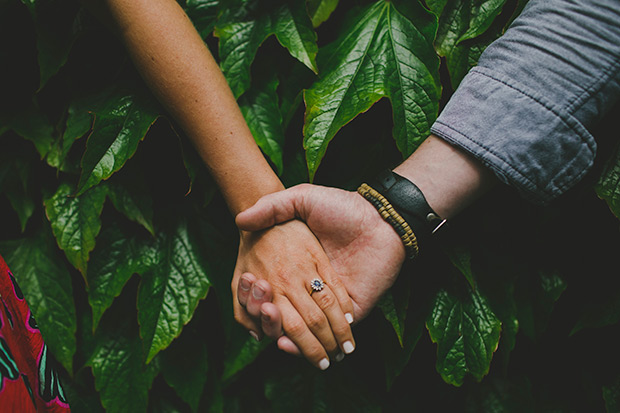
389, 214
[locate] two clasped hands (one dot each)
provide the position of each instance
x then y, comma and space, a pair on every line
358, 259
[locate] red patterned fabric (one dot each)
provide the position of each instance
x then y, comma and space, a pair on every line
27, 381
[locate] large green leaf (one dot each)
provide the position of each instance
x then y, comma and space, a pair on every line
118, 128
467, 334
76, 221
260, 109
170, 290
320, 10
608, 185
117, 257
245, 24
382, 53
46, 285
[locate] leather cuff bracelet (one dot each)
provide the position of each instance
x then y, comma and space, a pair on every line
409, 203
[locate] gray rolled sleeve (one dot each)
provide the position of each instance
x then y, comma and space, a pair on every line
527, 109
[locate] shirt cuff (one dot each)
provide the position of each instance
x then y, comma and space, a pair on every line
531, 144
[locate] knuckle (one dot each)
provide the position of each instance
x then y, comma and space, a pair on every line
336, 283
341, 330
325, 301
315, 353
315, 320
295, 328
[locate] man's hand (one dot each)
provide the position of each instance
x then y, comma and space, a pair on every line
363, 249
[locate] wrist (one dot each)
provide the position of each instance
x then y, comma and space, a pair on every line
402, 205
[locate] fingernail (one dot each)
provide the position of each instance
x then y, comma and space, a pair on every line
339, 357
258, 292
253, 334
348, 347
244, 284
324, 364
349, 318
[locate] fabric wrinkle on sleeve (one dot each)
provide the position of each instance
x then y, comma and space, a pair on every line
525, 111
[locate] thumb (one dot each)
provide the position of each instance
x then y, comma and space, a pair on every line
270, 210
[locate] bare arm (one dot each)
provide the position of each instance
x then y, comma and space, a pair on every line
181, 72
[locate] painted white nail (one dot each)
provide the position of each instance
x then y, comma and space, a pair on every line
253, 334
348, 347
324, 364
339, 357
349, 317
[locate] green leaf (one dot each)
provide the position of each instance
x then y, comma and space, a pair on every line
76, 222
260, 109
33, 125
462, 20
394, 310
608, 185
396, 357
246, 24
611, 396
460, 256
603, 312
118, 128
203, 13
79, 121
130, 197
184, 366
301, 388
382, 53
117, 257
55, 29
535, 302
46, 285
241, 353
320, 10
122, 379
436, 6
15, 176
465, 19
169, 292
467, 334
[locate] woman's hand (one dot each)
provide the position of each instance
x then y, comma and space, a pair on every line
288, 256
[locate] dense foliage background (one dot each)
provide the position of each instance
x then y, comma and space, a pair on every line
124, 247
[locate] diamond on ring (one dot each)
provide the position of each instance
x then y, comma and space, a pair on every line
317, 285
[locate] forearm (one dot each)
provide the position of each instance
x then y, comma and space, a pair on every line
449, 178
181, 72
